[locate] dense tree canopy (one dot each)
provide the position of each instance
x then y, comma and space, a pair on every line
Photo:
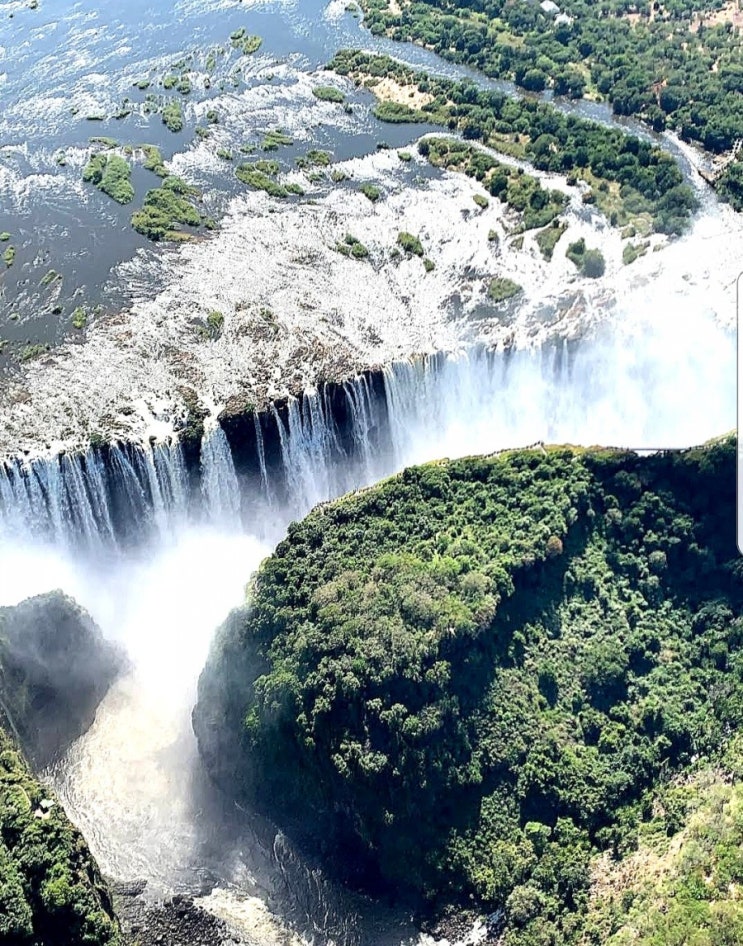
630, 177
496, 663
667, 64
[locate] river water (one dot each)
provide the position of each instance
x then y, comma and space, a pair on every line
134, 783
67, 67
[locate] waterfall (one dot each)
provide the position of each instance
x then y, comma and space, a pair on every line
219, 485
309, 447
85, 500
261, 451
338, 438
365, 427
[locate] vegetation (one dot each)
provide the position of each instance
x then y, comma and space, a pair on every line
405, 156
212, 327
51, 891
371, 192
32, 352
351, 246
501, 288
519, 191
590, 262
548, 238
680, 885
104, 141
172, 115
4, 236
111, 174
633, 251
409, 243
398, 113
498, 663
314, 158
274, 139
327, 93
9, 255
730, 185
79, 318
49, 277
260, 176
153, 160
245, 42
662, 64
639, 178
166, 209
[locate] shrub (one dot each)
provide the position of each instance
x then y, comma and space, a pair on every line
502, 288
409, 243
173, 116
371, 192
326, 93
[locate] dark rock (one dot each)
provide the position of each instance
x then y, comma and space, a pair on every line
55, 668
177, 921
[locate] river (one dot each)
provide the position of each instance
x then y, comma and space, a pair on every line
658, 371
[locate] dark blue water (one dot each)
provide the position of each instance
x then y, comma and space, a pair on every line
66, 62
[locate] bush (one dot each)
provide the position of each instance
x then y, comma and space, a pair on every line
398, 113
501, 288
327, 93
594, 264
352, 247
371, 192
112, 175
548, 238
165, 210
173, 116
409, 243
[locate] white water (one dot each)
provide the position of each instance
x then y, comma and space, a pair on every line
661, 376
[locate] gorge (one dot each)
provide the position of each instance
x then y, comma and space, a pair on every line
224, 386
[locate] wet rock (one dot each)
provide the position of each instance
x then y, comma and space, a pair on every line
55, 668
176, 921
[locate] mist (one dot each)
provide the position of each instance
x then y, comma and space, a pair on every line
657, 374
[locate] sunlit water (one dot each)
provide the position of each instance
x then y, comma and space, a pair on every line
659, 373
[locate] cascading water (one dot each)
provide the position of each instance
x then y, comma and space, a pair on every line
181, 545
219, 484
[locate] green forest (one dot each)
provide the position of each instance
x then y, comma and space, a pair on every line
525, 668
630, 179
660, 62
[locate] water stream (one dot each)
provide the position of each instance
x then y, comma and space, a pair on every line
158, 543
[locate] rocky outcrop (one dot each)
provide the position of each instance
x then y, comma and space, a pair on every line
55, 668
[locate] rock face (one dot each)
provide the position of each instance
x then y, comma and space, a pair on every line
495, 663
55, 668
177, 921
